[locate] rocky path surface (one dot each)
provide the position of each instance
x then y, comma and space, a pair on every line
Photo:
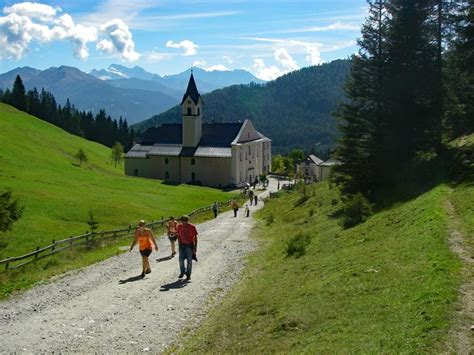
90, 310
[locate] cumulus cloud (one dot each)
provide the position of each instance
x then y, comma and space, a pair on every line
228, 59
189, 47
119, 39
314, 55
218, 67
26, 23
283, 57
199, 63
265, 73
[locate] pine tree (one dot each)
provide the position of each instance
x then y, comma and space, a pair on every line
33, 102
362, 117
10, 211
81, 156
18, 97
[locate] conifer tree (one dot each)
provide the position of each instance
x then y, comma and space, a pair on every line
18, 97
81, 156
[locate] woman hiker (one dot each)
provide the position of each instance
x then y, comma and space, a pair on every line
187, 238
235, 207
172, 230
145, 239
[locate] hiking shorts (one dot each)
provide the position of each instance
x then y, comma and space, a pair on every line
172, 237
145, 252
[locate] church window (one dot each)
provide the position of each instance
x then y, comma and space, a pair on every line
189, 101
167, 161
250, 151
167, 175
190, 112
193, 161
193, 176
199, 110
240, 155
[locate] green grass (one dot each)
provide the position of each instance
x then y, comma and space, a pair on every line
388, 285
37, 163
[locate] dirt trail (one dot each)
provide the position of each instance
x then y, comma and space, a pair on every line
462, 335
88, 310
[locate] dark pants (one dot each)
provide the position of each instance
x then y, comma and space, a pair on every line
235, 212
186, 252
215, 213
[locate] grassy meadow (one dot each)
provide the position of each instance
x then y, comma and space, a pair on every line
388, 285
37, 163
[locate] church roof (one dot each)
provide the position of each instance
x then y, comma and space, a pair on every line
191, 91
213, 134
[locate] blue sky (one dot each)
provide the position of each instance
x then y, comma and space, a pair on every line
266, 37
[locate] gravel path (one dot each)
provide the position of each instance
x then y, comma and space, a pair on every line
89, 310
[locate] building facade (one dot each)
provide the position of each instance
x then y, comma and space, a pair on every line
210, 154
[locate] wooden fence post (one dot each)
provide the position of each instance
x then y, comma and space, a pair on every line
6, 265
53, 245
36, 255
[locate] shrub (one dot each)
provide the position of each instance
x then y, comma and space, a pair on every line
355, 210
297, 245
269, 219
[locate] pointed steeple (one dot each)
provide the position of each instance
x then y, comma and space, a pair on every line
192, 90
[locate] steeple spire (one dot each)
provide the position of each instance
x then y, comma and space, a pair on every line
192, 90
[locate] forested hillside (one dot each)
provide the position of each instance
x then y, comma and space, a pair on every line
293, 110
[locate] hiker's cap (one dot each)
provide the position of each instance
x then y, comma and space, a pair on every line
141, 223
184, 218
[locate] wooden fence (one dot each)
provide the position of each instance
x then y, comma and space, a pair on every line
86, 239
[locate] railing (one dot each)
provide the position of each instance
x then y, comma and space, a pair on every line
86, 239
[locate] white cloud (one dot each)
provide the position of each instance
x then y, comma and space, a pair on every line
314, 55
337, 26
154, 56
119, 40
188, 46
283, 57
265, 73
218, 67
26, 23
228, 59
199, 63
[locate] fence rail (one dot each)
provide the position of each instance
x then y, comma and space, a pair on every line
86, 239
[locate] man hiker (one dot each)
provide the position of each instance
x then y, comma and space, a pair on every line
187, 239
247, 211
235, 207
251, 197
215, 209
144, 237
172, 231
255, 199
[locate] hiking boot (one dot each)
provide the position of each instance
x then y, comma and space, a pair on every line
188, 277
173, 254
148, 271
181, 275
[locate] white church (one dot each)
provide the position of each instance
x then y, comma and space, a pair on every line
210, 154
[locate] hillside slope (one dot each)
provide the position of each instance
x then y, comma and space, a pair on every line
293, 110
37, 163
388, 285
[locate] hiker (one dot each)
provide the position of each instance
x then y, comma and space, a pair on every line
255, 199
187, 238
247, 211
251, 197
235, 207
255, 182
215, 209
172, 231
145, 239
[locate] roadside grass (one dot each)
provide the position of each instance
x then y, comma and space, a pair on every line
37, 163
388, 285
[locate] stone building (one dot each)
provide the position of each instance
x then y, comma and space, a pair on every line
210, 154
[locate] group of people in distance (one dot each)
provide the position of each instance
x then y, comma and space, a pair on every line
181, 231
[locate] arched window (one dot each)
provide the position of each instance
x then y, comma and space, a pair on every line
167, 176
193, 176
193, 161
167, 161
190, 112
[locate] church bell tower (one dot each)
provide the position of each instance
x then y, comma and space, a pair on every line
191, 106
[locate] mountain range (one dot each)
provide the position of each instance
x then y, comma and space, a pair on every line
132, 93
294, 110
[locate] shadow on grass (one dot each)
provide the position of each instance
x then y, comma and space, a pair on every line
131, 279
174, 285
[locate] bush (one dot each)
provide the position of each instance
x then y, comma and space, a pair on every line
355, 210
269, 219
297, 245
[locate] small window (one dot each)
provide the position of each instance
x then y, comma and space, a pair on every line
190, 112
189, 101
250, 151
167, 161
193, 176
167, 176
241, 156
135, 172
193, 161
199, 110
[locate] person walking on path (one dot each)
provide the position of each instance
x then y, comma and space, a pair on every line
145, 239
247, 211
255, 199
172, 231
251, 194
215, 209
187, 238
235, 207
